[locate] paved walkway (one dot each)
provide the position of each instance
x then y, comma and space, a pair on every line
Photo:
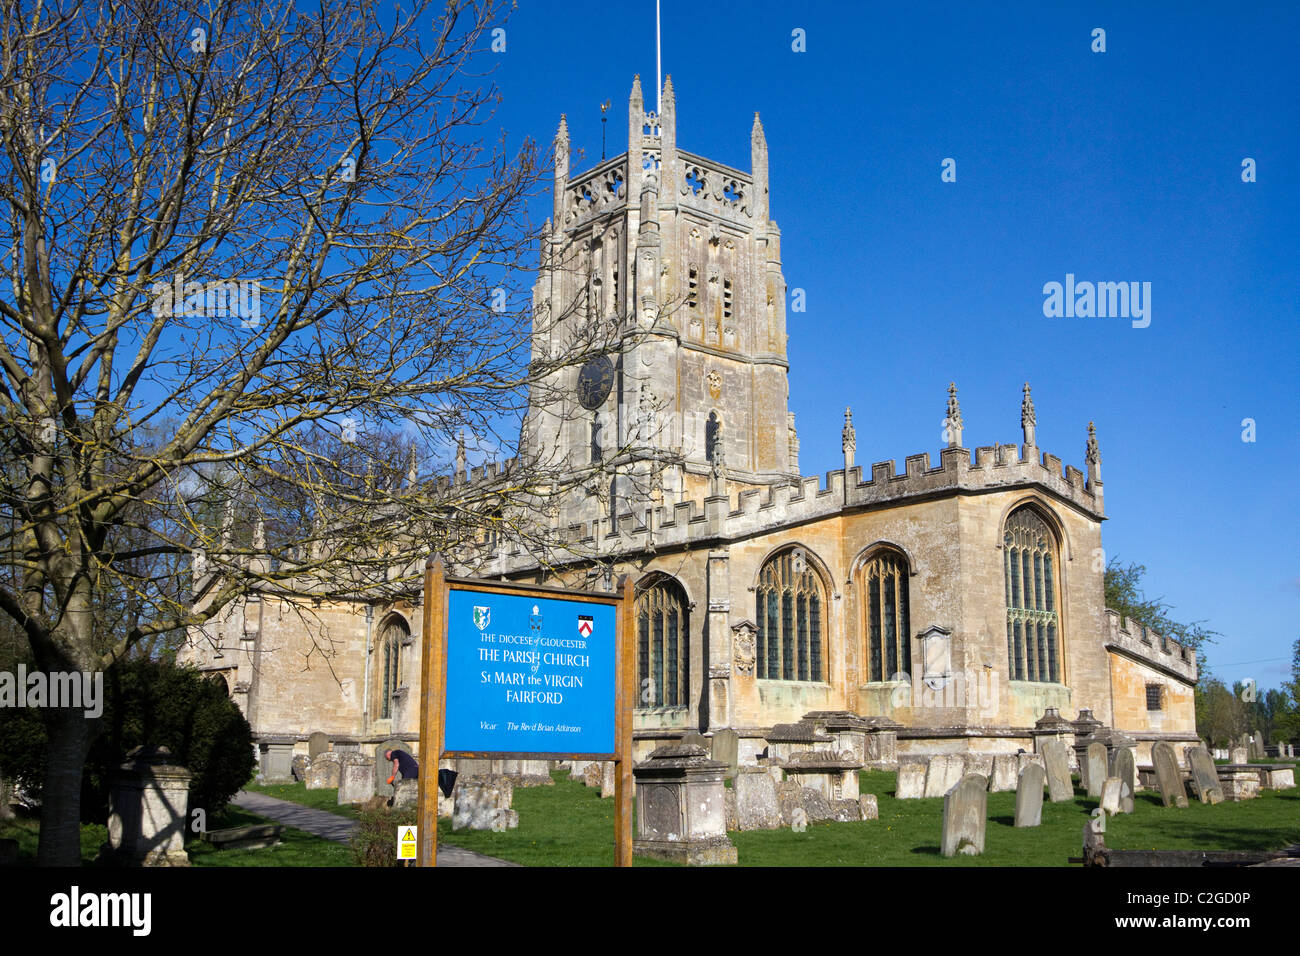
331, 826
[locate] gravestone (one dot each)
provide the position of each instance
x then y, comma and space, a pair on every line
1205, 779
277, 759
981, 764
695, 739
726, 749
729, 809
1168, 777
323, 772
594, 773
1095, 769
483, 803
911, 779
1110, 793
1239, 755
146, 809
1257, 746
300, 764
317, 744
944, 773
407, 794
345, 745
1123, 766
356, 778
1029, 796
1005, 773
607, 778
756, 804
1239, 783
868, 808
681, 807
799, 820
1059, 786
1280, 777
788, 798
965, 815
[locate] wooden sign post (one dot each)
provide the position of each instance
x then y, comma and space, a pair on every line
524, 672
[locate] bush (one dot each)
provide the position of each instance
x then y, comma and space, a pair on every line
375, 840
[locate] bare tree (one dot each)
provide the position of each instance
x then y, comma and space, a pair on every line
255, 232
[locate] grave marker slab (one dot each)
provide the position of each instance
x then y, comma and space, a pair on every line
944, 773
317, 744
1168, 777
1005, 773
1123, 766
1029, 796
1205, 779
1057, 763
965, 816
1095, 769
1110, 795
756, 804
911, 779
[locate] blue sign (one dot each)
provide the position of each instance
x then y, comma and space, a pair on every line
529, 674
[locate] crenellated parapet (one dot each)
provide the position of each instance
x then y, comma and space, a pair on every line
1136, 641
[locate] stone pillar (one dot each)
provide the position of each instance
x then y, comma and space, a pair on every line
147, 810
681, 807
718, 639
276, 759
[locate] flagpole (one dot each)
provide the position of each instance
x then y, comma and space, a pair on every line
659, 68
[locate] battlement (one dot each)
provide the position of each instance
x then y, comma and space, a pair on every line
1137, 641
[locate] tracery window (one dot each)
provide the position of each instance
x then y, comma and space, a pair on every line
1033, 623
789, 606
889, 644
663, 646
391, 639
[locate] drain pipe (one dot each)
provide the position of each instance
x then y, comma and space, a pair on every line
365, 690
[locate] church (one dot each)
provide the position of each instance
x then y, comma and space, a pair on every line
958, 602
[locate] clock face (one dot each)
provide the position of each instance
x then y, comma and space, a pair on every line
594, 382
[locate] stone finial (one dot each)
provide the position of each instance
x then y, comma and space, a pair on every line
412, 465
793, 441
952, 421
756, 137
848, 439
259, 535
460, 457
227, 523
1093, 457
1027, 419
636, 98
668, 96
562, 133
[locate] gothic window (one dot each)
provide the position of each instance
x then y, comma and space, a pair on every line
391, 638
1155, 699
789, 605
1033, 623
889, 643
663, 646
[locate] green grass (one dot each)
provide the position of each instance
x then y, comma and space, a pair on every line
26, 829
298, 848
327, 799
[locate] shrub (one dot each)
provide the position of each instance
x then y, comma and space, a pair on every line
375, 840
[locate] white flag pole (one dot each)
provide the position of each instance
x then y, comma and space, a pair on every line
659, 68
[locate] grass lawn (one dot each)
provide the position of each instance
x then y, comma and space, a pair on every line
327, 799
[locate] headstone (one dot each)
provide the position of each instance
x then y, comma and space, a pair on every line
1239, 755
695, 739
593, 773
1277, 778
1257, 746
815, 804
981, 764
1005, 773
317, 744
1029, 796
788, 798
277, 759
343, 745
867, 807
1110, 795
300, 764
147, 809
756, 805
607, 778
965, 815
1125, 797
1168, 777
483, 803
356, 778
799, 820
1239, 783
1095, 774
1205, 779
407, 794
729, 808
1059, 786
681, 807
944, 773
323, 772
911, 779
1123, 766
726, 749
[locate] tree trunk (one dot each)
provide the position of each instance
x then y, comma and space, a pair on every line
68, 735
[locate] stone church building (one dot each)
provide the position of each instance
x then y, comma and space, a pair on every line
959, 602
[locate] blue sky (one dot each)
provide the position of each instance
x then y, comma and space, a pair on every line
1117, 166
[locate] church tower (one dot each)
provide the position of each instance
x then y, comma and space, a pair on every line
672, 260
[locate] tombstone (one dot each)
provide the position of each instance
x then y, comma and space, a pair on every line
845, 728
317, 744
681, 807
965, 815
1239, 783
384, 768
1094, 767
1277, 778
1005, 773
482, 802
789, 796
1168, 777
277, 759
880, 749
799, 820
1059, 786
356, 778
981, 764
1205, 779
783, 740
729, 806
756, 804
300, 764
323, 772
910, 783
593, 774
1239, 755
1110, 794
1257, 746
834, 776
608, 778
944, 773
695, 739
407, 794
1123, 766
725, 748
147, 808
868, 807
346, 745
1029, 795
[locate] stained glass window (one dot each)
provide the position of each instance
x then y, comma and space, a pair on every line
889, 642
663, 646
1029, 549
788, 608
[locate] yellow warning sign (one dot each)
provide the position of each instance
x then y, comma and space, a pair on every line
406, 843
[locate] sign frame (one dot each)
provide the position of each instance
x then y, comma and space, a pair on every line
438, 586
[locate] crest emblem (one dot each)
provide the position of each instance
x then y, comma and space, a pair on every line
482, 616
584, 625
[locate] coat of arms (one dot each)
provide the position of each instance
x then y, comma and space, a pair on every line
482, 615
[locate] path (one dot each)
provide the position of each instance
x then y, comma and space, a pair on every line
331, 826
